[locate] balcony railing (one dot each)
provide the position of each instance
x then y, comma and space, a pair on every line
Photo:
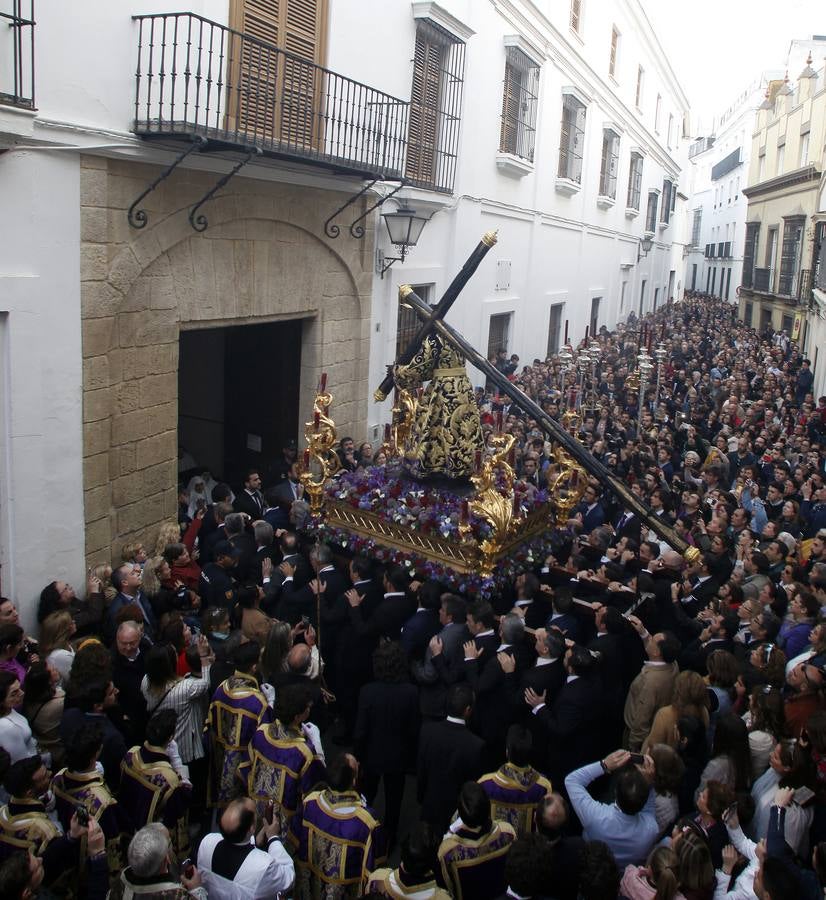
196, 77
763, 280
17, 53
804, 287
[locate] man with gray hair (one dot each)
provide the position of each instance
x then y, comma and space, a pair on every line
148, 871
494, 681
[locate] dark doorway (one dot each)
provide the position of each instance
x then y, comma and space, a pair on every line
238, 396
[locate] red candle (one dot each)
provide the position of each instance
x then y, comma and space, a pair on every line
306, 460
566, 331
387, 431
316, 419
477, 461
464, 510
323, 385
498, 421
517, 507
511, 456
574, 478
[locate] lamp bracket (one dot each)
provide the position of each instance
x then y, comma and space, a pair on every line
356, 230
383, 263
333, 231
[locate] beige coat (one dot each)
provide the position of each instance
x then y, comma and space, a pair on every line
649, 691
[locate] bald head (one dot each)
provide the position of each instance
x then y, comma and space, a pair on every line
128, 639
672, 559
298, 659
237, 822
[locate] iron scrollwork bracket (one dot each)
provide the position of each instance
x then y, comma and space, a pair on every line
333, 231
357, 230
137, 217
200, 222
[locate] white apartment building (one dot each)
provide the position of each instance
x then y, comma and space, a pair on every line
189, 239
719, 165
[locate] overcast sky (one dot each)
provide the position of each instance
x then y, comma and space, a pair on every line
716, 47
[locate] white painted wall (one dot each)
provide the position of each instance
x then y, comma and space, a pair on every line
41, 496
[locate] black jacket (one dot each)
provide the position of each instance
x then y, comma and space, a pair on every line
449, 755
387, 727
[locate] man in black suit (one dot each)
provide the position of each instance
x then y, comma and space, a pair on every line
610, 645
293, 571
243, 543
290, 488
449, 755
321, 594
545, 678
494, 682
627, 525
530, 601
264, 549
250, 500
206, 545
392, 611
444, 660
573, 721
424, 623
481, 623
566, 851
698, 589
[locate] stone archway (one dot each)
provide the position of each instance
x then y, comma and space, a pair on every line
250, 266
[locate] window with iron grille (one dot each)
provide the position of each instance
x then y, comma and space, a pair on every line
634, 181
750, 252
407, 323
610, 163
17, 53
696, 227
519, 104
651, 213
819, 256
555, 329
435, 107
576, 15
498, 332
612, 59
572, 138
666, 208
790, 254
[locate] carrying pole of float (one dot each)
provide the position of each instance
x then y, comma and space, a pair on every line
570, 444
448, 298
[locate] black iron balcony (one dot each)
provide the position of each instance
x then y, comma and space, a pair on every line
763, 280
198, 78
804, 287
17, 53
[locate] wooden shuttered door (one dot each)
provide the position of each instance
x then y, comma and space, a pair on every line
272, 97
423, 130
511, 109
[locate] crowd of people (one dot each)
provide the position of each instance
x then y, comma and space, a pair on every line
241, 712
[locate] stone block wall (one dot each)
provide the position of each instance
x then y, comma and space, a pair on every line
263, 258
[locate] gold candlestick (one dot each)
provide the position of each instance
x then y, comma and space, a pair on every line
320, 434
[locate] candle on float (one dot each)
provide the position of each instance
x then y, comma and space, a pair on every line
566, 332
464, 511
387, 431
316, 420
477, 461
517, 507
574, 478
498, 421
512, 456
587, 329
323, 383
306, 460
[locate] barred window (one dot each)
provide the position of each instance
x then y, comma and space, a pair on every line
612, 59
519, 104
634, 181
610, 162
696, 227
572, 138
790, 254
669, 195
576, 15
651, 214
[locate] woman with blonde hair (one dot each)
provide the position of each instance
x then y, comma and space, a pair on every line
656, 880
103, 573
56, 633
695, 869
689, 699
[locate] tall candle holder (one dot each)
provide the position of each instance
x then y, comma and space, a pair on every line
660, 353
320, 460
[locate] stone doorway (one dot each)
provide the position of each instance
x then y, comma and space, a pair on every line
238, 390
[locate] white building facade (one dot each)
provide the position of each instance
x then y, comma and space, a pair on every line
122, 338
719, 166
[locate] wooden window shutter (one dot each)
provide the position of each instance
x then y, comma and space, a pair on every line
511, 112
424, 109
275, 97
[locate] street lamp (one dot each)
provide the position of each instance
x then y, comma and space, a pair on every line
404, 227
644, 247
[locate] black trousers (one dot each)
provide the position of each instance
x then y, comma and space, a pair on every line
393, 795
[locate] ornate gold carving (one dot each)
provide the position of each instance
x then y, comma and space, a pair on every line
493, 503
320, 434
404, 291
489, 238
379, 396
567, 486
692, 555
